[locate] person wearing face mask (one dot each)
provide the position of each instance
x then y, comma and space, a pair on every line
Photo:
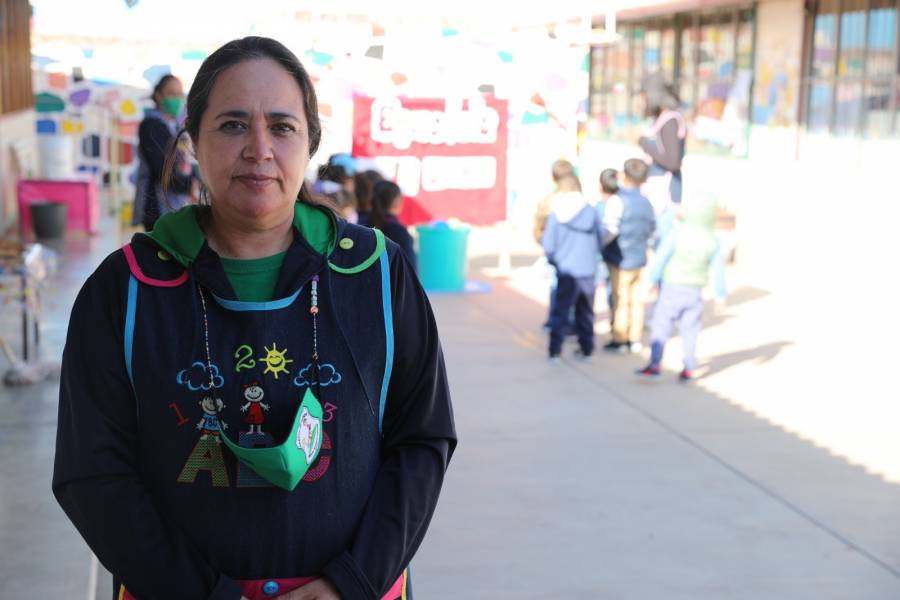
155, 135
253, 399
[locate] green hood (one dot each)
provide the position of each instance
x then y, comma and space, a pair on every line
699, 213
179, 233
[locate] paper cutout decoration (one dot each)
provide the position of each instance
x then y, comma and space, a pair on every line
319, 58
45, 102
128, 108
129, 128
80, 97
90, 146
46, 126
58, 81
72, 127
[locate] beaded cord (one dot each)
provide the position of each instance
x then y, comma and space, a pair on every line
212, 387
314, 311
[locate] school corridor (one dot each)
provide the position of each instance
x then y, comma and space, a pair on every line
575, 480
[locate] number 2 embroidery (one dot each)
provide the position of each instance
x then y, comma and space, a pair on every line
244, 354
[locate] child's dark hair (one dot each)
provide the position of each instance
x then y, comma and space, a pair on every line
609, 181
160, 85
385, 194
363, 182
636, 170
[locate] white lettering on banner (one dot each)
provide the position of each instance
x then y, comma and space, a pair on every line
405, 170
398, 126
441, 173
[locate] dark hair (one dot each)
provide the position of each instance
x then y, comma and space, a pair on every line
659, 96
229, 55
636, 170
335, 173
161, 84
609, 181
363, 182
384, 195
561, 168
568, 183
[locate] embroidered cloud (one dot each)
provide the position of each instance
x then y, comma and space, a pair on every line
328, 375
198, 377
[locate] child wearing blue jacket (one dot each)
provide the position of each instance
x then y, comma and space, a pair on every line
572, 240
680, 270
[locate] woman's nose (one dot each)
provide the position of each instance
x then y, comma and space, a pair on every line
259, 143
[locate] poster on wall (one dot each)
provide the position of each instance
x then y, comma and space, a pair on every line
448, 156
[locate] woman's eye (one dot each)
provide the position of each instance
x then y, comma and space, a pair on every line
283, 128
232, 126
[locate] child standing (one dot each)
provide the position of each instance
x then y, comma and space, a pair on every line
681, 271
572, 240
609, 186
628, 224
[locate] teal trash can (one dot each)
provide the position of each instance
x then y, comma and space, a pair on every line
442, 256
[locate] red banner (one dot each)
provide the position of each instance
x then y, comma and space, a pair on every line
449, 157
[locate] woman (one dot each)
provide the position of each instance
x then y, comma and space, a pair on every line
155, 135
387, 203
664, 144
300, 343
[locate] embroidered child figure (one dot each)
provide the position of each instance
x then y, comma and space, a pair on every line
254, 407
209, 424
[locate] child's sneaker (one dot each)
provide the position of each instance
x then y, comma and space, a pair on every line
580, 356
685, 375
635, 347
650, 370
554, 359
616, 347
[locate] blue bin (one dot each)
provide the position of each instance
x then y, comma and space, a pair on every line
442, 256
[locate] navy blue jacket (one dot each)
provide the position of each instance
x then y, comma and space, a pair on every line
162, 502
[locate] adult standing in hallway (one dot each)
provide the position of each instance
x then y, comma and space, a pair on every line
253, 399
664, 144
155, 136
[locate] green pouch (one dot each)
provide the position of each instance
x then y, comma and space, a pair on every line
285, 465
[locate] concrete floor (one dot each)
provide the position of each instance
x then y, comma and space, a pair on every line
570, 481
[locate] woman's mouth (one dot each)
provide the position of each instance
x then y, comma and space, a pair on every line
256, 182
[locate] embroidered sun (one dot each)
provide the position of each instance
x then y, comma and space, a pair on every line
276, 361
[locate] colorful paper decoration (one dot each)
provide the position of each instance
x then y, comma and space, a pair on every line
80, 97
128, 108
46, 126
58, 81
90, 146
319, 58
129, 128
45, 102
72, 127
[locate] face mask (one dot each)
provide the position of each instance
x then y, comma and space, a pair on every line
286, 464
172, 105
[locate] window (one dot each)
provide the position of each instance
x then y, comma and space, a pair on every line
852, 75
707, 56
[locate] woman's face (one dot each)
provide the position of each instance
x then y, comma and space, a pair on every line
253, 145
172, 88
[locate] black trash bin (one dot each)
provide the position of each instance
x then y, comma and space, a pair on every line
48, 218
